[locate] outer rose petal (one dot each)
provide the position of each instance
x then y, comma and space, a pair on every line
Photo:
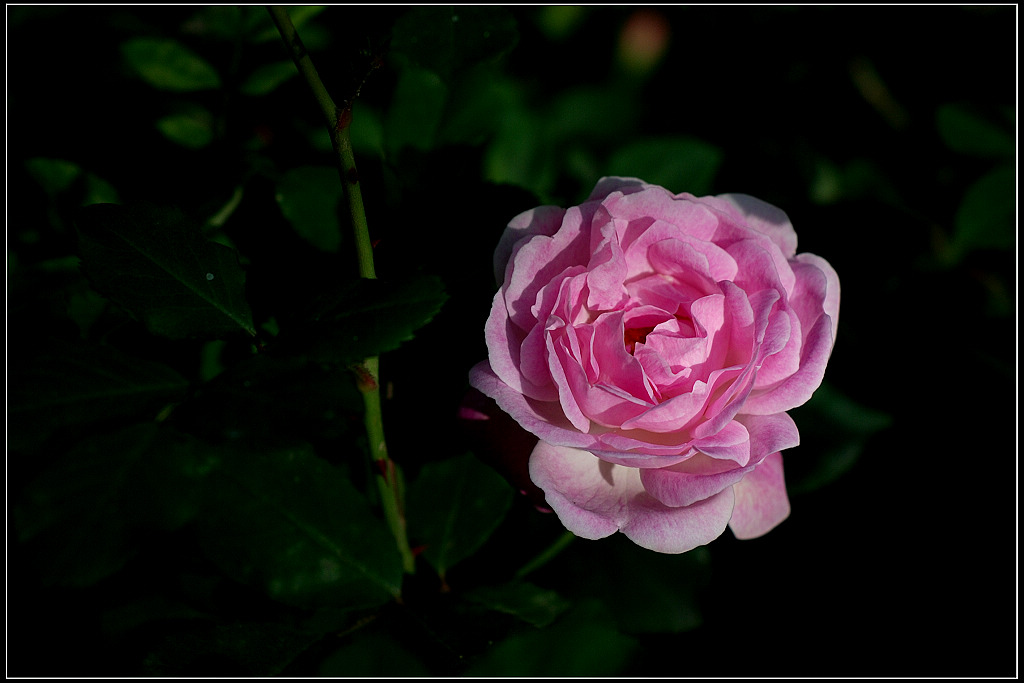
594, 499
761, 216
544, 220
816, 301
761, 500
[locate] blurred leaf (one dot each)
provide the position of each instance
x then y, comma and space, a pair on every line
680, 164
986, 216
98, 191
265, 78
415, 113
367, 131
665, 600
365, 318
168, 65
308, 197
59, 384
594, 113
447, 39
54, 175
291, 524
967, 132
372, 654
454, 506
220, 22
833, 432
157, 265
532, 604
519, 155
477, 107
558, 22
84, 512
583, 642
65, 179
192, 128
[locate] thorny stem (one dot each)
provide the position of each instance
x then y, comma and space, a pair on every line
337, 120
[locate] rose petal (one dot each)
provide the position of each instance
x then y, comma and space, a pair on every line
818, 328
609, 184
543, 220
542, 418
761, 500
761, 216
504, 349
594, 499
539, 259
674, 488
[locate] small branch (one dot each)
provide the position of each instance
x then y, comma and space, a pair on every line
304, 63
337, 120
547, 555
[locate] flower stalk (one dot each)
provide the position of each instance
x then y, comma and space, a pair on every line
337, 119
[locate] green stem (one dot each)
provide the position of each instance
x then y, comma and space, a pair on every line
337, 120
547, 555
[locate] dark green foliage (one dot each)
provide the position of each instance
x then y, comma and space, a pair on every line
453, 507
294, 526
157, 264
189, 486
58, 385
363, 318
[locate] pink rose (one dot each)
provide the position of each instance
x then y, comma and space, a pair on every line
653, 343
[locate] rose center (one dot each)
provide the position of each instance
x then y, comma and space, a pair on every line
632, 335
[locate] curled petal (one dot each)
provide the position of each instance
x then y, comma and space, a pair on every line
761, 500
544, 220
594, 499
816, 288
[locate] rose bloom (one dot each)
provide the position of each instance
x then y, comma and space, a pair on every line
653, 343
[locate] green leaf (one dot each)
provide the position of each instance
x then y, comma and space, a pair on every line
679, 164
291, 524
454, 506
965, 131
168, 65
532, 604
584, 642
985, 218
192, 128
448, 39
365, 318
59, 384
83, 513
157, 265
308, 197
265, 78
